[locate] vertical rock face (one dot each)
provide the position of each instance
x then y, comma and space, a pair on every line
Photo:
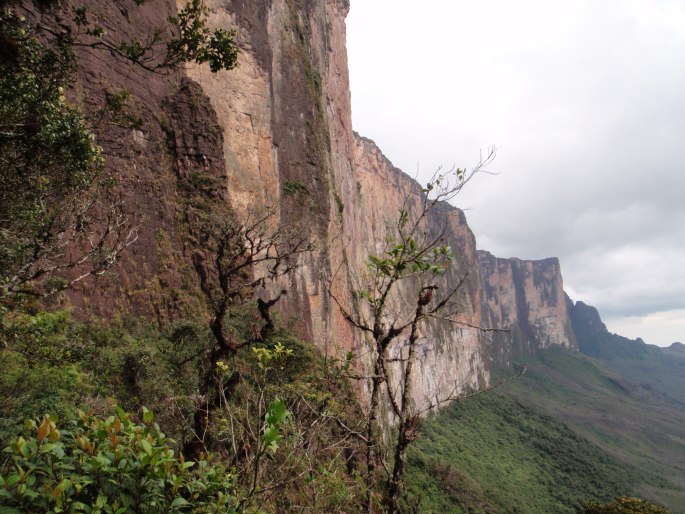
450, 357
527, 299
277, 130
586, 319
287, 126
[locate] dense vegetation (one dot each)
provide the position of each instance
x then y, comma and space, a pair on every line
569, 431
280, 424
248, 417
623, 505
489, 453
633, 414
492, 454
107, 466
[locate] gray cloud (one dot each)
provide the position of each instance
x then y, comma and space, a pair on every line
584, 101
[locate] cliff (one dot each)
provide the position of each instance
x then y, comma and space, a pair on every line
281, 123
527, 299
594, 338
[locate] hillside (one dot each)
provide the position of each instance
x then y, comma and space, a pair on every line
606, 421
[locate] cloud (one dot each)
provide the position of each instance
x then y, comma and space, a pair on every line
668, 326
584, 101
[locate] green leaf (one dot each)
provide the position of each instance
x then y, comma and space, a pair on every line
120, 412
276, 412
47, 448
148, 416
180, 502
271, 438
146, 446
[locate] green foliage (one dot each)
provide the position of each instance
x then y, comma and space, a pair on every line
117, 103
51, 170
624, 505
39, 357
276, 416
196, 42
661, 369
551, 439
294, 187
53, 364
590, 396
408, 257
266, 357
279, 398
279, 405
193, 41
41, 338
110, 465
491, 454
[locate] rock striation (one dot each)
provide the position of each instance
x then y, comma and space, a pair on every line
527, 299
278, 131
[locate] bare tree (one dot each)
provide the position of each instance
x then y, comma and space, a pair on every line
418, 258
236, 257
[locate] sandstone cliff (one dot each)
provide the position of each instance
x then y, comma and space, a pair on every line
527, 299
281, 122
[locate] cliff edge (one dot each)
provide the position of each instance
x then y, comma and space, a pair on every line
281, 124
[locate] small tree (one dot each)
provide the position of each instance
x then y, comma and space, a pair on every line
235, 260
417, 258
57, 208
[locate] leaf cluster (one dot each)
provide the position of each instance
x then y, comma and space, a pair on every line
276, 416
192, 41
109, 465
46, 151
54, 191
407, 257
196, 42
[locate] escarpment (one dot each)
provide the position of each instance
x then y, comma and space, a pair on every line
277, 130
525, 300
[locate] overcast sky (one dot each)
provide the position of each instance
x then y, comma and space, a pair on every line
585, 101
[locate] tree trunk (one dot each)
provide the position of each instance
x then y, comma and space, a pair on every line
370, 436
406, 433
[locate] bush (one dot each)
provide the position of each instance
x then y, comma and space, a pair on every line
40, 370
110, 465
624, 505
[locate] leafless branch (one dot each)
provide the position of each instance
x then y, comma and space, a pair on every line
458, 397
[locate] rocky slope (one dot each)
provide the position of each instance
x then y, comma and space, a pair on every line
278, 131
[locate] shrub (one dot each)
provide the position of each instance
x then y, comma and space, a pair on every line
110, 465
624, 505
40, 369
